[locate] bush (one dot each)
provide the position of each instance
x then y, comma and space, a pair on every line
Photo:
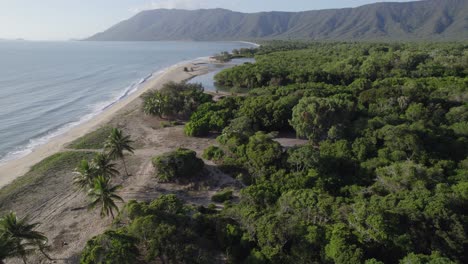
222, 196
110, 247
213, 153
174, 100
164, 229
178, 165
211, 117
197, 129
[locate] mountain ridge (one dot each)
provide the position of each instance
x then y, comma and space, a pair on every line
417, 20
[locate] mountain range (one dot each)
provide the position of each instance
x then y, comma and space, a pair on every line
418, 20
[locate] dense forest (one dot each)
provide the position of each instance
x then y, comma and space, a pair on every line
382, 177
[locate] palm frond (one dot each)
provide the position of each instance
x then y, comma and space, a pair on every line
103, 195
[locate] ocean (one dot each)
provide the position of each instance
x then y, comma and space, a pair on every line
46, 88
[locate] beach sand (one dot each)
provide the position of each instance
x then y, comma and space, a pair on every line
16, 168
49, 197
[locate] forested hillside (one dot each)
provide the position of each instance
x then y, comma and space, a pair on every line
418, 20
383, 177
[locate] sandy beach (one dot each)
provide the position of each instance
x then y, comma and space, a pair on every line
16, 168
48, 196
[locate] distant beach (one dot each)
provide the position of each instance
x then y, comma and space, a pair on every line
41, 182
18, 167
250, 43
47, 88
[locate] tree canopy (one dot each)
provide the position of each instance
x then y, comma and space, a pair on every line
383, 177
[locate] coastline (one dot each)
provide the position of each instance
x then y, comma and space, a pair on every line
11, 170
256, 45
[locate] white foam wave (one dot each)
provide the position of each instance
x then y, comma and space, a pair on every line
250, 43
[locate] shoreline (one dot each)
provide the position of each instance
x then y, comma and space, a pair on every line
256, 45
13, 169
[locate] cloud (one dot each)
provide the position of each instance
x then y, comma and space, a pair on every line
170, 4
183, 4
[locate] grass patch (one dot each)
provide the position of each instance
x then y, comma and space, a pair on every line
93, 140
62, 162
165, 124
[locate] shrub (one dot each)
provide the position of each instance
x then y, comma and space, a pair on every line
213, 153
174, 100
212, 117
222, 196
197, 129
177, 165
110, 247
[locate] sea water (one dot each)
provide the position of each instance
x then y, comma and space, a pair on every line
46, 88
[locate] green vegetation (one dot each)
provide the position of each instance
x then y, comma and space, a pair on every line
383, 177
43, 172
174, 100
386, 125
223, 56
178, 165
110, 247
213, 153
222, 196
103, 195
318, 118
212, 117
235, 54
93, 140
85, 174
94, 177
343, 63
19, 239
102, 163
423, 20
116, 144
168, 231
244, 52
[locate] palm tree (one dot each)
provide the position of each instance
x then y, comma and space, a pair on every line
7, 247
104, 166
116, 144
104, 195
19, 236
85, 174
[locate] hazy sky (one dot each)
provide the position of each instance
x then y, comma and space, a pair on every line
66, 19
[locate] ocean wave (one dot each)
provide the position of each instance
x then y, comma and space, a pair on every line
24, 150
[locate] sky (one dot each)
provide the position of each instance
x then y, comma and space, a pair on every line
76, 19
